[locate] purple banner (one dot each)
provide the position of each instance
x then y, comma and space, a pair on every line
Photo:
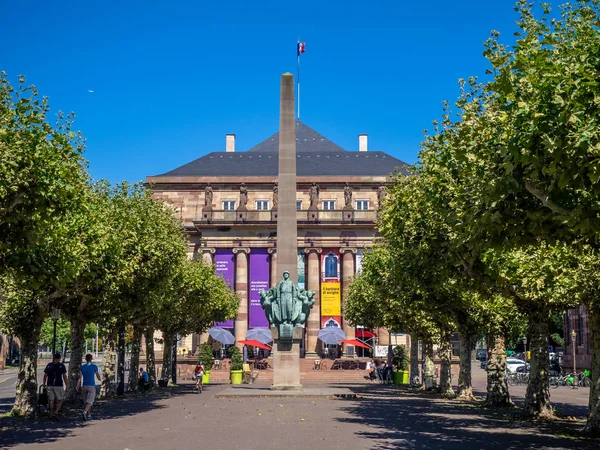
259, 281
224, 266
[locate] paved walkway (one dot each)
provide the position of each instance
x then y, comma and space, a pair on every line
383, 417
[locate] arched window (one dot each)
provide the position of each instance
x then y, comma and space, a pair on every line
331, 266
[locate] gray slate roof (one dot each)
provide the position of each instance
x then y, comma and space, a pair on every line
307, 140
316, 155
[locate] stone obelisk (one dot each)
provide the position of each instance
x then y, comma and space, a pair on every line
287, 227
286, 348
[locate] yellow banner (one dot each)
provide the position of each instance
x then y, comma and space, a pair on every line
331, 304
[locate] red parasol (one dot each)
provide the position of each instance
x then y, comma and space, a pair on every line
356, 343
365, 334
253, 343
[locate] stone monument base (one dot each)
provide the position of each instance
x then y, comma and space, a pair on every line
286, 359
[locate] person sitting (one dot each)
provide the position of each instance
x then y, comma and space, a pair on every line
144, 380
371, 368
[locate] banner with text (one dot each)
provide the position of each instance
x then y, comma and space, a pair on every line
225, 267
259, 281
331, 306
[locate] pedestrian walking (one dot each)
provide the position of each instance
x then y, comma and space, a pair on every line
88, 385
55, 378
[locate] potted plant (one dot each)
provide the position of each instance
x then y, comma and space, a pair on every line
236, 372
205, 358
401, 361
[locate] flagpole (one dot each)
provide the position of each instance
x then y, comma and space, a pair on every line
298, 57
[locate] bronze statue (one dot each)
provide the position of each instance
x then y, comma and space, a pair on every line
314, 196
208, 195
348, 195
286, 303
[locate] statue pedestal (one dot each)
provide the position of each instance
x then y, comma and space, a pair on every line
286, 360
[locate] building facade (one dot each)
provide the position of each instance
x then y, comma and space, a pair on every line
228, 203
576, 320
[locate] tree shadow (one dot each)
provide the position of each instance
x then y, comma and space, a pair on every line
392, 417
16, 431
561, 408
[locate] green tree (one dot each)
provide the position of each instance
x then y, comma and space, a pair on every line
197, 297
545, 106
43, 178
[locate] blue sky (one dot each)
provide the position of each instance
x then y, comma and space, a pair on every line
170, 79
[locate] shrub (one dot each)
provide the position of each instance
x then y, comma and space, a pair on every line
236, 358
400, 358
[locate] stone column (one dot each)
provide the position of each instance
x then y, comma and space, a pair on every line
347, 275
273, 267
241, 289
313, 283
207, 257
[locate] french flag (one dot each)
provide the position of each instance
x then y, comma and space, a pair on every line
300, 47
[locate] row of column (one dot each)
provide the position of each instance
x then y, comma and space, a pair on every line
313, 283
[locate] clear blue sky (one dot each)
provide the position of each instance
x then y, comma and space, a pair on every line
171, 78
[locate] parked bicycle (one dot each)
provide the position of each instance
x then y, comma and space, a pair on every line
562, 380
583, 379
518, 378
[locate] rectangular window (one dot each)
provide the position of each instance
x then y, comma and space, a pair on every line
328, 205
362, 205
228, 205
299, 205
262, 205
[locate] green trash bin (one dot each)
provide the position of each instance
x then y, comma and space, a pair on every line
400, 377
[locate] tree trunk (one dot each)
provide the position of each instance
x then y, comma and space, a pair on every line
497, 386
109, 365
121, 362
3, 351
167, 355
77, 343
414, 359
26, 397
429, 369
537, 398
593, 422
150, 362
465, 387
132, 385
445, 352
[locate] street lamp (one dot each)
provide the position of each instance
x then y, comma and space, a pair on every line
573, 336
55, 314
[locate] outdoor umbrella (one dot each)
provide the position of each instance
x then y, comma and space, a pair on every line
331, 335
255, 344
355, 342
221, 335
262, 335
365, 334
